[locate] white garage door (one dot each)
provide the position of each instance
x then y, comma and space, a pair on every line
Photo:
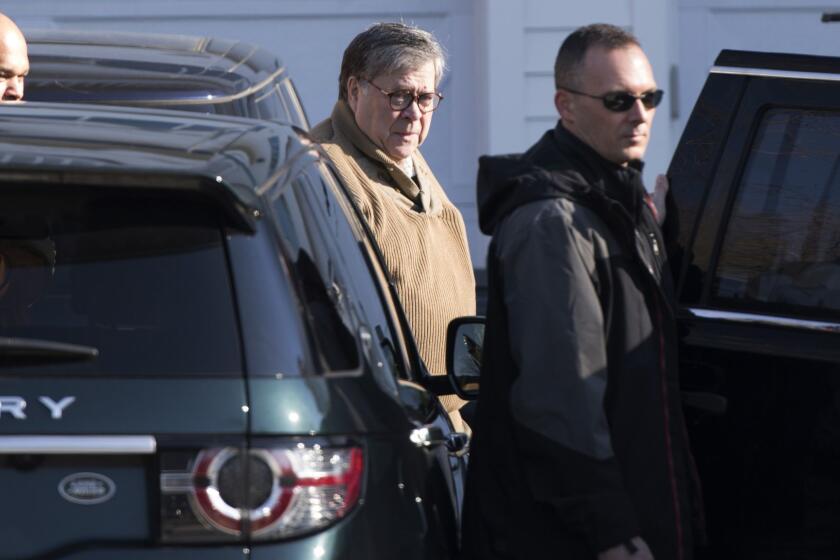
707, 26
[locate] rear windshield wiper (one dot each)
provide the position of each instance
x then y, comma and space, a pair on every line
29, 351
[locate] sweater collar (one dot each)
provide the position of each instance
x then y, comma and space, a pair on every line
345, 121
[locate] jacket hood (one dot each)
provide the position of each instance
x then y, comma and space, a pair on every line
508, 181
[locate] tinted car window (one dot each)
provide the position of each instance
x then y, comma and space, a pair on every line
363, 267
320, 281
366, 277
276, 101
269, 103
279, 101
782, 245
159, 93
355, 288
143, 279
270, 321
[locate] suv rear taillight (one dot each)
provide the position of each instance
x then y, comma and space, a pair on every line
230, 493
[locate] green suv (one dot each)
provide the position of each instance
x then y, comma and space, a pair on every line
200, 352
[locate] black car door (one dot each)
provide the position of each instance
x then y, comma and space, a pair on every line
755, 247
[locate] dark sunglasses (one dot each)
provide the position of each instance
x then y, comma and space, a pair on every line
620, 101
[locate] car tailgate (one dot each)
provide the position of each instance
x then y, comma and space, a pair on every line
79, 457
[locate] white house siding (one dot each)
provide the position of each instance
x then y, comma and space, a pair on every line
522, 38
707, 26
546, 24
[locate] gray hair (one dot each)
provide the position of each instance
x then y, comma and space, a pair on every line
385, 48
573, 50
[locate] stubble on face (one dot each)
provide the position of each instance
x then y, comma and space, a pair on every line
617, 137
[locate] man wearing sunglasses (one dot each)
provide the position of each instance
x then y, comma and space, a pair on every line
580, 449
387, 97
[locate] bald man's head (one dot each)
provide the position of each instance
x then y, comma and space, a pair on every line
14, 60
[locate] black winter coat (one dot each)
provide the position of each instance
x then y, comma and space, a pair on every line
580, 442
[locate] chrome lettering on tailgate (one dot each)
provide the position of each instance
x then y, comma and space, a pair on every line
15, 406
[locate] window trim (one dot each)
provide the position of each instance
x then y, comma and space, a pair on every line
768, 73
763, 319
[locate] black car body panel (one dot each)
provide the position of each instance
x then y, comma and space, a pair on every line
200, 74
197, 292
756, 252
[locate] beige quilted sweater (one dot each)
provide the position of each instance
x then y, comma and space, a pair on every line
425, 250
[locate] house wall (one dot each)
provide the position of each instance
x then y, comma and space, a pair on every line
707, 26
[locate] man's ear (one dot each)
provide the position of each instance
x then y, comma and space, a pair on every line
353, 87
564, 102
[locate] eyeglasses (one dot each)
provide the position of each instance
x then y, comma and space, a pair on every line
401, 99
620, 101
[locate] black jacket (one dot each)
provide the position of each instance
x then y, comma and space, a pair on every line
580, 441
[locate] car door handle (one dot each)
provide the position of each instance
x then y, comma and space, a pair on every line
457, 443
427, 436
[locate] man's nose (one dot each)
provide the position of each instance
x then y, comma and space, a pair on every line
413, 111
638, 112
14, 89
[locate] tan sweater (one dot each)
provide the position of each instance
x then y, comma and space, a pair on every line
426, 251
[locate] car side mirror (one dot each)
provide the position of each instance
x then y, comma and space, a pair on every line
464, 348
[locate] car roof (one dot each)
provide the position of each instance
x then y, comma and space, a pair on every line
150, 67
729, 58
234, 160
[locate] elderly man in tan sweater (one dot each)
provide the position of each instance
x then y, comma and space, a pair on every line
387, 96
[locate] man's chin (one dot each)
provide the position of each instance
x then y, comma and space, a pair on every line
400, 153
635, 152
